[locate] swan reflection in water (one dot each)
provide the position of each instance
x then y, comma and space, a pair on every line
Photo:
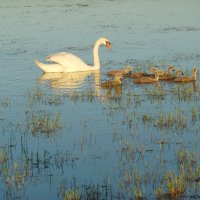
71, 80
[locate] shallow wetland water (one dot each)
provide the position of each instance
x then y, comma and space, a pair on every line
64, 137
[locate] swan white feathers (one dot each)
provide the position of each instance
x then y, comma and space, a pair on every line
66, 62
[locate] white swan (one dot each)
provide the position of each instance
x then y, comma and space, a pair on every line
66, 62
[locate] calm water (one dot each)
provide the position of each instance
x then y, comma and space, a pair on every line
107, 141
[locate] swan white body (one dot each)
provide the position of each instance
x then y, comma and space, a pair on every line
66, 62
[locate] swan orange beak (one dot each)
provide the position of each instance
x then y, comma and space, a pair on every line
108, 45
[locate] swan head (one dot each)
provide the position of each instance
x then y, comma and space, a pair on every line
106, 42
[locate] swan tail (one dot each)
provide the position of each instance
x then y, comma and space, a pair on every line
54, 67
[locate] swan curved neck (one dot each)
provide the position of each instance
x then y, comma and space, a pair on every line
96, 55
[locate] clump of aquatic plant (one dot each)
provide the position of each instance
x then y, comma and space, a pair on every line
137, 100
195, 114
4, 102
147, 118
74, 96
72, 195
138, 193
43, 121
159, 193
88, 95
188, 161
93, 192
54, 100
176, 184
37, 96
175, 120
155, 93
183, 92
14, 174
3, 156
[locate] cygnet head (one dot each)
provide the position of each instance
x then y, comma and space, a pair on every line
118, 76
195, 73
195, 69
171, 66
160, 72
128, 68
178, 72
153, 69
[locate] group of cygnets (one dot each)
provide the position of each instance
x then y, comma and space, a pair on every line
154, 74
64, 62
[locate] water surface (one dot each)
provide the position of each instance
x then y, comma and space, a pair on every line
105, 142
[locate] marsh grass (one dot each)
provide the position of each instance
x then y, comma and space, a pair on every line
183, 92
43, 122
155, 93
195, 114
3, 155
13, 172
177, 183
72, 195
189, 162
38, 96
175, 120
88, 95
175, 186
5, 102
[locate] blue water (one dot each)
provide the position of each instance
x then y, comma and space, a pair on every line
89, 146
